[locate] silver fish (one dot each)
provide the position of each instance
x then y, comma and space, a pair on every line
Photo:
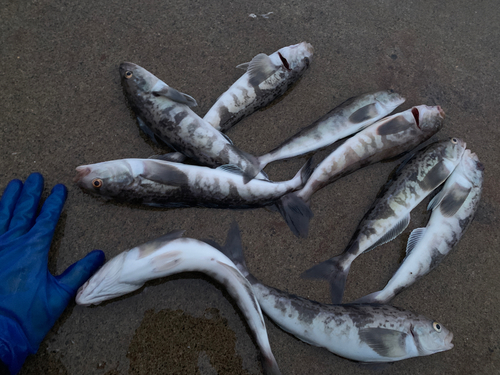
165, 113
348, 118
361, 332
169, 255
389, 215
385, 139
266, 78
166, 184
452, 212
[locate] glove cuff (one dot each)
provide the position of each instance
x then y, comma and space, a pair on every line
14, 345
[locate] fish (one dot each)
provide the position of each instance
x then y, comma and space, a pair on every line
369, 333
266, 78
162, 183
169, 255
348, 118
389, 215
385, 139
453, 210
164, 112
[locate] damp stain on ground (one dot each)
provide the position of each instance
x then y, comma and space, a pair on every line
172, 342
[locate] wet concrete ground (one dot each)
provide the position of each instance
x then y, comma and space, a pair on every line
61, 105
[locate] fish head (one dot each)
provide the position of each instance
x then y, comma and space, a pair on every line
107, 178
431, 337
105, 284
136, 79
429, 119
389, 100
296, 57
454, 149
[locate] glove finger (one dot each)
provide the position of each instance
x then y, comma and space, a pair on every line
27, 205
46, 221
79, 272
8, 203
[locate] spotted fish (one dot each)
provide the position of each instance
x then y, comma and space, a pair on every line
361, 332
348, 118
452, 212
385, 139
164, 112
390, 213
166, 184
266, 78
169, 255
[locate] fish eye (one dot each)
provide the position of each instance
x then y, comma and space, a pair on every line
436, 326
97, 183
454, 141
128, 74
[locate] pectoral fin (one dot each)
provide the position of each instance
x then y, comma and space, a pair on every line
153, 245
260, 68
386, 342
176, 96
164, 173
452, 201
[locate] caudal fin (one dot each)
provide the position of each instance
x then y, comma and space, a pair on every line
372, 298
332, 271
270, 366
296, 213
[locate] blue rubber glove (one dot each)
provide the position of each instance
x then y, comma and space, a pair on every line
31, 299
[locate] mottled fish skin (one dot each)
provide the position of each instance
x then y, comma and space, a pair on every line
245, 96
177, 125
169, 255
361, 332
458, 202
167, 184
389, 215
385, 139
350, 117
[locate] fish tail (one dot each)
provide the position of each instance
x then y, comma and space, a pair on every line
333, 271
269, 365
296, 213
372, 298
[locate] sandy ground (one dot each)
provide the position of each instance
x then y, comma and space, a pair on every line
62, 105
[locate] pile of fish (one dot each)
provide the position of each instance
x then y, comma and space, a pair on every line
220, 175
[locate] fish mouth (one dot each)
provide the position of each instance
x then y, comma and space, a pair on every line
447, 341
441, 112
82, 172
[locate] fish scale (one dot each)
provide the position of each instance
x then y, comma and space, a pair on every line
389, 215
361, 332
452, 212
164, 112
385, 139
